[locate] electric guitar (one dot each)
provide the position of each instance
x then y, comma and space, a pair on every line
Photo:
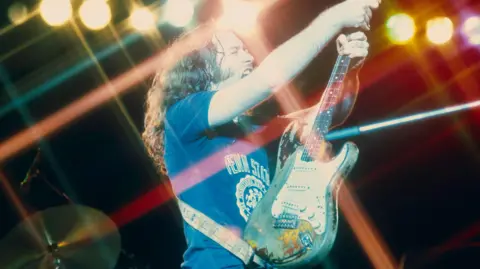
295, 224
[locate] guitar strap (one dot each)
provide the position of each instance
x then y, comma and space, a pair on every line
221, 235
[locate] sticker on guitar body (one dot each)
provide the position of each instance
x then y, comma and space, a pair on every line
290, 141
291, 239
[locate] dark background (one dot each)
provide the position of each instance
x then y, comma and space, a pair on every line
419, 182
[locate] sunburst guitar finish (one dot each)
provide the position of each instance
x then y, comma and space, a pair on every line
295, 223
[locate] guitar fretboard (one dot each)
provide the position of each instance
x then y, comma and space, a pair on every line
326, 107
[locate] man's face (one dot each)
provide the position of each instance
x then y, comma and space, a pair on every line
233, 59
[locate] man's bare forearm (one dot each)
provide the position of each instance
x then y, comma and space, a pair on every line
290, 58
286, 61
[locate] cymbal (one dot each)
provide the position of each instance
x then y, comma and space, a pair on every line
63, 237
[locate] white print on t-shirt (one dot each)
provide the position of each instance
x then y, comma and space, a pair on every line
239, 163
250, 189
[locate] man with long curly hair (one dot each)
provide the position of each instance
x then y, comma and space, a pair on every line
191, 113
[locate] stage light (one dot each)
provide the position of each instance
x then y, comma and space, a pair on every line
17, 13
55, 12
178, 12
471, 29
95, 14
439, 30
142, 19
239, 15
400, 28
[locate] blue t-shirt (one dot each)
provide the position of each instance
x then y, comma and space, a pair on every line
222, 175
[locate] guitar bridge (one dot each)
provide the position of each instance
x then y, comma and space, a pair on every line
286, 221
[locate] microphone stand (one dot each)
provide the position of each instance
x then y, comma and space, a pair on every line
57, 191
34, 172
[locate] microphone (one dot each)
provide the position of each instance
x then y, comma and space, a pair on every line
32, 171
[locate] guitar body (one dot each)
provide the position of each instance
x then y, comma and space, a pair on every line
295, 224
301, 197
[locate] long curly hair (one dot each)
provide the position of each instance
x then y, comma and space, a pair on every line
189, 65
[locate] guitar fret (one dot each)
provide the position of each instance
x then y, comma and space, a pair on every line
335, 85
332, 93
329, 103
331, 97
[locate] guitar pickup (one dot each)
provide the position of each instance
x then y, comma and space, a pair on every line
297, 187
286, 221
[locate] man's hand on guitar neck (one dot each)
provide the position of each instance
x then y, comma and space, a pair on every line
355, 13
355, 46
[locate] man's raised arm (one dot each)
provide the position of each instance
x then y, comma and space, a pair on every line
287, 60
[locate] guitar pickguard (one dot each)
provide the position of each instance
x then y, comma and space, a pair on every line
305, 194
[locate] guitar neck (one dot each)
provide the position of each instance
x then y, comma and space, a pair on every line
330, 97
